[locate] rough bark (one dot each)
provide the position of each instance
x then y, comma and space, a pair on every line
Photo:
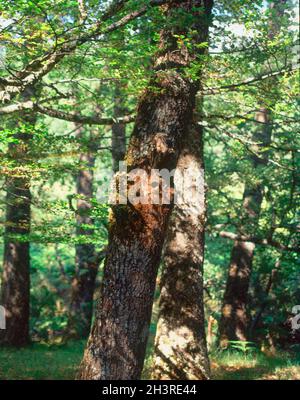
234, 319
180, 345
117, 344
15, 293
16, 264
86, 264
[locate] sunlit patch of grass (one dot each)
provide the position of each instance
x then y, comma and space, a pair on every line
41, 361
54, 361
287, 373
227, 365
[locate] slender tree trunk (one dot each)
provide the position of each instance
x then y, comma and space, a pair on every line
255, 321
116, 348
83, 283
234, 320
180, 344
118, 142
210, 332
15, 293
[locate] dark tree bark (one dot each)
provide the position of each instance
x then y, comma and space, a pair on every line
180, 344
16, 264
118, 141
86, 263
116, 348
15, 293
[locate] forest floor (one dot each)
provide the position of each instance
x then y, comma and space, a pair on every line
44, 361
238, 366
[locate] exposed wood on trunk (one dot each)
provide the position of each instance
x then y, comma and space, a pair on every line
180, 344
116, 348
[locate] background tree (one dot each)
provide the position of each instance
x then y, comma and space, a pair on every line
86, 261
16, 259
234, 123
234, 322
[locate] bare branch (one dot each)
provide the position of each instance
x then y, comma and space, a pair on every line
72, 117
257, 240
250, 81
82, 119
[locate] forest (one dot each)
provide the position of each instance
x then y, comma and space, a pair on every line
149, 190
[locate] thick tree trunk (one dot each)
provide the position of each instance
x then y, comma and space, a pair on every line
180, 344
116, 348
234, 319
83, 283
15, 293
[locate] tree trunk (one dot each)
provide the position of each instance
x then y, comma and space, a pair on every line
116, 348
270, 283
118, 142
180, 345
234, 319
15, 293
83, 283
16, 264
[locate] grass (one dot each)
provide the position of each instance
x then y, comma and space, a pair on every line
41, 361
234, 365
60, 361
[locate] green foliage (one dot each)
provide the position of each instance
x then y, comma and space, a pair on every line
242, 69
243, 346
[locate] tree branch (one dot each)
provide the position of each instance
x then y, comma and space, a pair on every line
39, 67
250, 81
257, 240
72, 117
